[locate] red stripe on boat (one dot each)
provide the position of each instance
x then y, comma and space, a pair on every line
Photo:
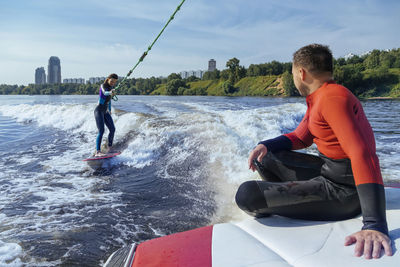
189, 248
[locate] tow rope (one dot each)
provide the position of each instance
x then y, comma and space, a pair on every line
115, 98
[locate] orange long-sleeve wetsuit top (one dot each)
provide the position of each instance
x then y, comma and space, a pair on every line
335, 121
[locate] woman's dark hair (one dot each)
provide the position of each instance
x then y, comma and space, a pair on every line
316, 58
113, 76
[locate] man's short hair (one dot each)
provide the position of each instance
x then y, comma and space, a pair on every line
315, 58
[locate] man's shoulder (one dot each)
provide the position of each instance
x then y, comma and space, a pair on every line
335, 94
338, 91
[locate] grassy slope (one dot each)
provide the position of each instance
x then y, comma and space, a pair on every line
271, 85
248, 86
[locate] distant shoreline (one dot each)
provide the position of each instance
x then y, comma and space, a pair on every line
270, 96
382, 98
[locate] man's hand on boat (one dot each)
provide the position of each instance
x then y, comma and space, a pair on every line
369, 243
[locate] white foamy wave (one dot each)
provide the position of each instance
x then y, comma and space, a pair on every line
75, 118
389, 160
225, 137
212, 107
230, 137
48, 195
10, 254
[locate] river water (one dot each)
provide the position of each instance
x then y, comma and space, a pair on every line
181, 163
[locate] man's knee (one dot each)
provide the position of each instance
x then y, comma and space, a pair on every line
249, 197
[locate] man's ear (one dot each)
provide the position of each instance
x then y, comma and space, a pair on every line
302, 73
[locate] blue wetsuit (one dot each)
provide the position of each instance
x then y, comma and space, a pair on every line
102, 115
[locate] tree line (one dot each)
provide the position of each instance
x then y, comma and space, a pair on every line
374, 74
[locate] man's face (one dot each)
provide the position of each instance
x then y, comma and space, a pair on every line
298, 81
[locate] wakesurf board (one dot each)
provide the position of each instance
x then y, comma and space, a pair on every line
106, 156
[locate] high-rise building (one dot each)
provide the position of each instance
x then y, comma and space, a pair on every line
54, 70
184, 74
74, 80
190, 73
93, 80
40, 76
199, 74
212, 65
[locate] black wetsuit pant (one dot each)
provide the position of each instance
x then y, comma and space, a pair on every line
103, 117
301, 186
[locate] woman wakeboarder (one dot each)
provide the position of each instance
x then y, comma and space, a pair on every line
102, 113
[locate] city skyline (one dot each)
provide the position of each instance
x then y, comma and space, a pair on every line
40, 74
96, 38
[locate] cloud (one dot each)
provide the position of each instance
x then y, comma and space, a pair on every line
97, 37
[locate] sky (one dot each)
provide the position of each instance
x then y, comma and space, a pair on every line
94, 38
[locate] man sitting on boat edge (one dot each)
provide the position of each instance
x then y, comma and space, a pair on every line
344, 180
